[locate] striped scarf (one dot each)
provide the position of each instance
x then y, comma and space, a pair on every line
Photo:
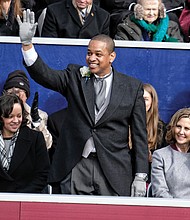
4, 155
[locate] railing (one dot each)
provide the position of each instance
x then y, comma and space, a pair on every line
70, 207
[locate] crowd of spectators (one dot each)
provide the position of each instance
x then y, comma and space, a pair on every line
85, 19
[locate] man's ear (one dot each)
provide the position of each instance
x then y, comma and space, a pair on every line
112, 56
162, 11
138, 11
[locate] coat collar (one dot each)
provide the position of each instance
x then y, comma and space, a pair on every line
117, 93
88, 92
22, 147
74, 14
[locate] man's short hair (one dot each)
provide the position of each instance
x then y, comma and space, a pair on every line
106, 39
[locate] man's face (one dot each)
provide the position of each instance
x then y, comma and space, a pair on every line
98, 58
151, 10
81, 4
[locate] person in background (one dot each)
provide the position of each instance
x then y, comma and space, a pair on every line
118, 9
28, 4
96, 122
75, 19
23, 155
149, 23
174, 9
17, 82
9, 9
171, 165
156, 128
184, 20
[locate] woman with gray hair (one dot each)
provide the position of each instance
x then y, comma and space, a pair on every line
149, 23
171, 165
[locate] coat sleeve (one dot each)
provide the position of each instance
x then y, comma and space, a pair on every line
55, 134
139, 133
55, 80
174, 31
159, 185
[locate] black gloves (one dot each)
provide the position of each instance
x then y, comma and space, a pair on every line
34, 109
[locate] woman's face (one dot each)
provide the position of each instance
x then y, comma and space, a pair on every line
151, 10
5, 5
13, 122
147, 99
182, 132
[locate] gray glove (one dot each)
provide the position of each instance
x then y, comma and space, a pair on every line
138, 188
27, 28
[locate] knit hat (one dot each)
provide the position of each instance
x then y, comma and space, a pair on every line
18, 79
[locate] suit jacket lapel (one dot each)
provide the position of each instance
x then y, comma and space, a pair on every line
117, 93
90, 17
88, 91
74, 14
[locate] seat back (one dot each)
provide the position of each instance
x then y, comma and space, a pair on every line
41, 21
149, 191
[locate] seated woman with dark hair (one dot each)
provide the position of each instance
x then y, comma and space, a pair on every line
149, 23
24, 161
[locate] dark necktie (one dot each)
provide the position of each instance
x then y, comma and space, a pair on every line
100, 92
83, 15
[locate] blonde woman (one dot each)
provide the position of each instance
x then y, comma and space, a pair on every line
9, 9
171, 165
156, 128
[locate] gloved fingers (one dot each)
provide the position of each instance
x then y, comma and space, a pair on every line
24, 16
140, 194
35, 100
32, 17
28, 15
139, 188
36, 95
33, 29
34, 109
18, 20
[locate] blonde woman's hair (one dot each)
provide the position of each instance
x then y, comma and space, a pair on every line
152, 118
181, 113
